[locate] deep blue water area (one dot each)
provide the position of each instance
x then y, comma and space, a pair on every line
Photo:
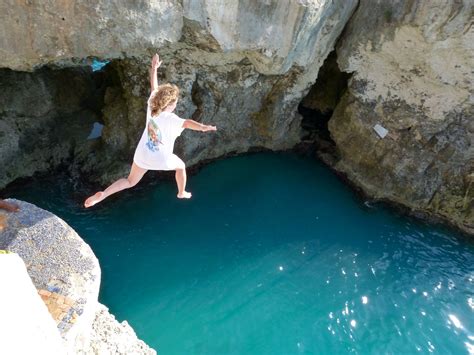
272, 255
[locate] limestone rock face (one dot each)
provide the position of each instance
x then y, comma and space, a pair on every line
66, 275
275, 34
241, 65
111, 337
58, 262
411, 65
45, 117
35, 33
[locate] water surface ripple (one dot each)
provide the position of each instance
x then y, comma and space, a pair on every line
273, 255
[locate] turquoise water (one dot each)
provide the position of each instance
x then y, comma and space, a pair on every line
273, 255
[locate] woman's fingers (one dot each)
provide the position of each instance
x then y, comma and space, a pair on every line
156, 60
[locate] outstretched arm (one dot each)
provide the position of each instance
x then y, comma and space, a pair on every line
155, 64
196, 126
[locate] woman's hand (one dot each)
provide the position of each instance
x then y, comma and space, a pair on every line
155, 62
209, 128
196, 126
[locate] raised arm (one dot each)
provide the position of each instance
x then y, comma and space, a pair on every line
155, 64
196, 126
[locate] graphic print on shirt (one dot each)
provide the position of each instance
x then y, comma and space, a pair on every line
154, 136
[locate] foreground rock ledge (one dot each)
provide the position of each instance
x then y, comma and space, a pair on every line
66, 274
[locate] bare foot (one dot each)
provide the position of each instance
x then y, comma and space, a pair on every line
8, 206
3, 222
185, 194
91, 201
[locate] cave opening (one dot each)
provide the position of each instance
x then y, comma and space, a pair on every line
51, 116
318, 106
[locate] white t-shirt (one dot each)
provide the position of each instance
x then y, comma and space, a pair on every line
155, 149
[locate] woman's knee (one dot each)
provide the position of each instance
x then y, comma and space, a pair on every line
135, 175
132, 182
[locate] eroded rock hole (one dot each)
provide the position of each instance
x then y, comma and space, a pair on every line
319, 104
48, 117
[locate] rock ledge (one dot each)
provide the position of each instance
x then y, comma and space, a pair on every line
66, 274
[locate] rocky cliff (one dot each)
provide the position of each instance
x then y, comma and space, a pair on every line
66, 275
411, 64
241, 65
246, 66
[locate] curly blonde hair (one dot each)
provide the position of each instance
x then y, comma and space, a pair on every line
165, 95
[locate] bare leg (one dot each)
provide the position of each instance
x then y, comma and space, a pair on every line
136, 174
181, 178
181, 182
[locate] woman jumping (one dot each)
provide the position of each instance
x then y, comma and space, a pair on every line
155, 149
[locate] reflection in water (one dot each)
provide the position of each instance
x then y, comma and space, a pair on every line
455, 321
